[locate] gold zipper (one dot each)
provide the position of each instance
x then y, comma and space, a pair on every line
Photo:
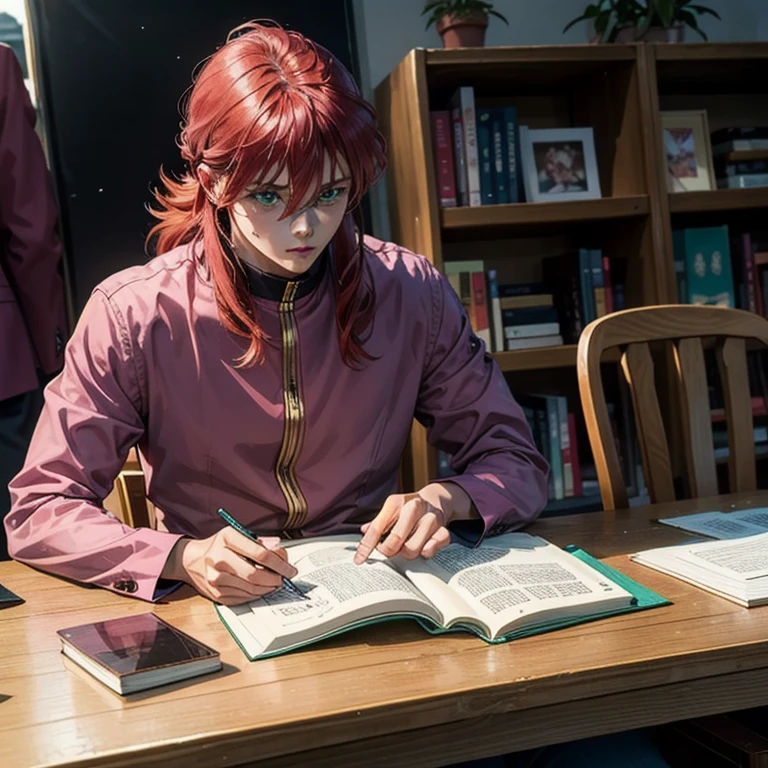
293, 429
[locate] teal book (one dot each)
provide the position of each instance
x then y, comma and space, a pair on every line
509, 586
706, 254
485, 154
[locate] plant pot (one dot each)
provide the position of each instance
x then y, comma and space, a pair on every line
463, 31
651, 35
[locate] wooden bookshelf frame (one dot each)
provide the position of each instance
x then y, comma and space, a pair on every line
630, 83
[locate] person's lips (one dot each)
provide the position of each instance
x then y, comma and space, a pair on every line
302, 249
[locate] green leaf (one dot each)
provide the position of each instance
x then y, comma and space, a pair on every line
700, 9
688, 18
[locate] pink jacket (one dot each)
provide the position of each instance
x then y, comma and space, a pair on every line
301, 445
32, 311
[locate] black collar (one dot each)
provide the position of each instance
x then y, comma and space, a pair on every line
271, 287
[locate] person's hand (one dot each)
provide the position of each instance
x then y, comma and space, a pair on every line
228, 567
410, 527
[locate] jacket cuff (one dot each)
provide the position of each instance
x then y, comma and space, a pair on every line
497, 513
141, 571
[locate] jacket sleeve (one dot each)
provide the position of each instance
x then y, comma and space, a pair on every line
469, 413
91, 418
28, 214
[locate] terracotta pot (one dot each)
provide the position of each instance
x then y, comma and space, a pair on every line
651, 35
463, 31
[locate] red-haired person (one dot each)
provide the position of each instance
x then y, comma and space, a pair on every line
269, 361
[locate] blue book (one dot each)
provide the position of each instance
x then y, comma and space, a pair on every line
708, 272
513, 152
484, 151
498, 154
587, 294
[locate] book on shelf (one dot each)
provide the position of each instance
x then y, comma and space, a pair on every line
442, 138
722, 525
463, 109
468, 280
134, 653
736, 569
507, 587
533, 342
705, 253
738, 139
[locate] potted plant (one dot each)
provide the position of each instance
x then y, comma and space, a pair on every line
626, 21
460, 23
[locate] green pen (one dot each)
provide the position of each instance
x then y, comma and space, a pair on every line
287, 583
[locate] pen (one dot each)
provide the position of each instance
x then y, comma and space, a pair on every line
287, 583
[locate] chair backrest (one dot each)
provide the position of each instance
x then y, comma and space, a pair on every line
128, 499
688, 329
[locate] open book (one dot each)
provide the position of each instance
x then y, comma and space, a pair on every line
723, 525
736, 569
508, 586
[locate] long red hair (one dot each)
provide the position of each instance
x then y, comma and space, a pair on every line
269, 100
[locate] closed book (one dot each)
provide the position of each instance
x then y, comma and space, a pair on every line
133, 653
534, 329
745, 181
708, 275
443, 147
520, 302
521, 289
485, 154
529, 316
512, 154
464, 101
8, 598
499, 153
497, 326
533, 342
460, 163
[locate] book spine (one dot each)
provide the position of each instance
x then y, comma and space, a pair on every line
533, 342
578, 490
512, 152
469, 125
565, 446
480, 306
529, 316
587, 294
497, 325
598, 287
530, 330
526, 302
446, 174
498, 153
458, 155
608, 285
556, 459
748, 265
484, 151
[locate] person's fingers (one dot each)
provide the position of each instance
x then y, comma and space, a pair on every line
410, 513
225, 587
230, 564
376, 528
440, 539
269, 558
425, 529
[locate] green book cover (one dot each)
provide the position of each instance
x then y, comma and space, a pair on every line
708, 271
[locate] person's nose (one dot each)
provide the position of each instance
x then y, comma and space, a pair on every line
302, 225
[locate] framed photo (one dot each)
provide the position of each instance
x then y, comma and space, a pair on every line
687, 151
559, 164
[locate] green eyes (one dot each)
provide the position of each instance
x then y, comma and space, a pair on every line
268, 199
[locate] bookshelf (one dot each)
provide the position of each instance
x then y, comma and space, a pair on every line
618, 90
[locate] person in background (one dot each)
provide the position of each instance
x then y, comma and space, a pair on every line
32, 306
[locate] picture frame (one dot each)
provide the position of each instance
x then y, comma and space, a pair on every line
687, 151
559, 164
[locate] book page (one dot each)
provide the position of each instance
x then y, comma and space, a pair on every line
743, 559
723, 525
510, 580
338, 593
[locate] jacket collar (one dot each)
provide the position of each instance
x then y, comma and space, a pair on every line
271, 287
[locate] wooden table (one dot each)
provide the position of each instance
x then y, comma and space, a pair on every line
386, 695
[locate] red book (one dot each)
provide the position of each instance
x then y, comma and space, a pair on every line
482, 326
607, 285
442, 138
578, 488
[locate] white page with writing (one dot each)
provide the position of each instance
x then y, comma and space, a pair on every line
723, 525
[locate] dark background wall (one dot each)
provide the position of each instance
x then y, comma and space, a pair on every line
111, 76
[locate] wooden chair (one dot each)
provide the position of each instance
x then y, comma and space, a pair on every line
128, 499
688, 329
